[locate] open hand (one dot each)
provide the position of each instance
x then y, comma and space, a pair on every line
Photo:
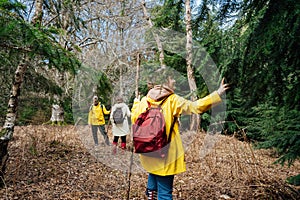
223, 87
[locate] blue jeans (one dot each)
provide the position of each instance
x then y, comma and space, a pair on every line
162, 184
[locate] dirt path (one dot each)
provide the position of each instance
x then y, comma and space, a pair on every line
49, 162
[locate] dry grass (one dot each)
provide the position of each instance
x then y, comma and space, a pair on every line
49, 162
233, 170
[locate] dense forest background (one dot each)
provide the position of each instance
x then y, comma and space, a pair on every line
253, 43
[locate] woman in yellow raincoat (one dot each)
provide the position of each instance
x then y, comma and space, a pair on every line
162, 170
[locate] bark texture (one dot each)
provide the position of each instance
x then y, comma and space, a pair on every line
195, 119
9, 124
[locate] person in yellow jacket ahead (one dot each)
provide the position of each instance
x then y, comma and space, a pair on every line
161, 171
97, 121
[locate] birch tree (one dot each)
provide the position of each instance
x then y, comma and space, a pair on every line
10, 120
35, 45
195, 119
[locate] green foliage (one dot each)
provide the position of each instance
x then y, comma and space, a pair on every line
37, 83
281, 130
18, 36
7, 5
169, 15
175, 61
66, 103
33, 111
263, 69
272, 56
104, 89
294, 180
205, 121
38, 112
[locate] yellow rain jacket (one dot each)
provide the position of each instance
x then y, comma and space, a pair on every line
96, 115
174, 105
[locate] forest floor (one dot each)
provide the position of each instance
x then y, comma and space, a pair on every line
52, 162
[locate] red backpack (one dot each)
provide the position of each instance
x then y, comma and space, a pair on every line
149, 132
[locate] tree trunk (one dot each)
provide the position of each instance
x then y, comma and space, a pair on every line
195, 118
157, 39
137, 77
38, 14
9, 124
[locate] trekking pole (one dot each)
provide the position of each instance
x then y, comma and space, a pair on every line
137, 76
129, 173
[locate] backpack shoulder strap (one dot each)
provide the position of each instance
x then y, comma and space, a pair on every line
125, 113
102, 108
173, 120
171, 128
163, 101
